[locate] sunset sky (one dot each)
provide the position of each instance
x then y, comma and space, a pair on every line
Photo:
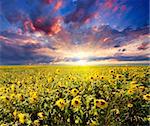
74, 31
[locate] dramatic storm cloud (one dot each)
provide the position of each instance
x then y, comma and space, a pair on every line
64, 31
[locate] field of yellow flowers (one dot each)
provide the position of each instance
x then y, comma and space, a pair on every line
74, 96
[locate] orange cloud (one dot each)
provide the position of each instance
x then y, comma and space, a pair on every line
56, 27
105, 39
58, 5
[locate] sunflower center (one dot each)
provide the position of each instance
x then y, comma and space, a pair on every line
102, 103
148, 96
97, 102
76, 102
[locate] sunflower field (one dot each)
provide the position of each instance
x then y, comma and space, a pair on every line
74, 96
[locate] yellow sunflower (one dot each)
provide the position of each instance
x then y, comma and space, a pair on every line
131, 91
133, 82
41, 115
15, 114
74, 92
91, 78
100, 103
76, 102
4, 98
146, 97
12, 96
13, 88
57, 71
119, 76
20, 97
61, 103
32, 100
21, 118
33, 97
111, 71
134, 86
50, 79
141, 88
4, 124
36, 123
102, 78
130, 105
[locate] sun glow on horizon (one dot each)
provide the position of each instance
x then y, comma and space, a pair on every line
81, 62
82, 58
80, 54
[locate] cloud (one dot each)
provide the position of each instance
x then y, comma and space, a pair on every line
48, 1
97, 46
39, 18
43, 15
14, 55
122, 58
143, 46
18, 49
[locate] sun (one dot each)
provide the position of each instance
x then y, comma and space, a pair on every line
81, 62
80, 57
80, 54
